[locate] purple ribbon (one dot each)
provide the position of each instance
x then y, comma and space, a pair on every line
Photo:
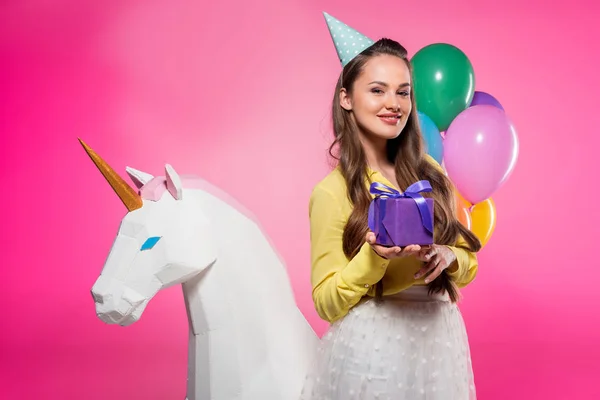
384, 192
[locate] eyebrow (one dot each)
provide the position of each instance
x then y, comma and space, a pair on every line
385, 84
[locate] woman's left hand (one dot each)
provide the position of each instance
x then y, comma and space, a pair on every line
437, 258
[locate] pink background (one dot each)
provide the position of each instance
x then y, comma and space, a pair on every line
209, 87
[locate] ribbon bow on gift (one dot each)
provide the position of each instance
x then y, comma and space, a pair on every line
384, 192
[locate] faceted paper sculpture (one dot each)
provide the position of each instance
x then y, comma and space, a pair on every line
247, 339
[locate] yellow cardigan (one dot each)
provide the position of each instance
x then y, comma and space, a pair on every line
338, 283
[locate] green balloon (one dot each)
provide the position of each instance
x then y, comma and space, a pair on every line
443, 81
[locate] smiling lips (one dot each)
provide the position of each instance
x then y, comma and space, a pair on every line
390, 119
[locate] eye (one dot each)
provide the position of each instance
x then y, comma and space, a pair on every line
150, 242
404, 94
376, 90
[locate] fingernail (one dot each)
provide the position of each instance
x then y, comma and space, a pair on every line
397, 250
427, 280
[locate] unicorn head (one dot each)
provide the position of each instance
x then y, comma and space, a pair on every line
162, 241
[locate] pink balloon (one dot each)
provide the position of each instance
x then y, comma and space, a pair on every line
480, 151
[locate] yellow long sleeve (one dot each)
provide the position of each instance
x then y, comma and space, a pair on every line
338, 283
464, 270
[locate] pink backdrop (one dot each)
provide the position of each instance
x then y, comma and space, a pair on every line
239, 93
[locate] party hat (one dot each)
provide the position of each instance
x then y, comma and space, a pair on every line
348, 42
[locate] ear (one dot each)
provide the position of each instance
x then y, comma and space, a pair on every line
174, 185
139, 178
345, 100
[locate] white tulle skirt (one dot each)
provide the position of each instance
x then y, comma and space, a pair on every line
409, 346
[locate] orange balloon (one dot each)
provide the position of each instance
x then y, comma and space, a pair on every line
462, 200
483, 220
462, 210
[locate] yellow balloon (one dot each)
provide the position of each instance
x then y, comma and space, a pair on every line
483, 220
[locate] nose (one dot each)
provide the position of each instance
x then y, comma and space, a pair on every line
105, 305
393, 106
114, 301
100, 290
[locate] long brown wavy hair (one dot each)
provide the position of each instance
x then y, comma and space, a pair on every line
407, 154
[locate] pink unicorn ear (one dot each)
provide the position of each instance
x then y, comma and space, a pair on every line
174, 185
138, 178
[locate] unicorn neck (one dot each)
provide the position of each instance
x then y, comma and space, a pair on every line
240, 350
212, 355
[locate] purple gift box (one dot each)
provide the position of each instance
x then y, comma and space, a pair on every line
401, 219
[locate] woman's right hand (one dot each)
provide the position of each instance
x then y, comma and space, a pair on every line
392, 252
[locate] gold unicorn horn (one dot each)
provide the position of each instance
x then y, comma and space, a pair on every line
127, 195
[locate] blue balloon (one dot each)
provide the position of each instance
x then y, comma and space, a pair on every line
434, 145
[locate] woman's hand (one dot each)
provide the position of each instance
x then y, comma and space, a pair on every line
437, 258
392, 252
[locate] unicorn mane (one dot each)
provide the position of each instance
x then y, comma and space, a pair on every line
157, 186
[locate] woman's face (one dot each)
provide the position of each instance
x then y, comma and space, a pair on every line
380, 98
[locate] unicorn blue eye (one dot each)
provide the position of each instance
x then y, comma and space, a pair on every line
150, 242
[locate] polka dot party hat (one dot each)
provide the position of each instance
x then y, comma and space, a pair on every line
348, 42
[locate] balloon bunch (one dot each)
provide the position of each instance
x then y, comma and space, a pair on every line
466, 131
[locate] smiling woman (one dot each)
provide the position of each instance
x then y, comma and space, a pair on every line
386, 99
376, 296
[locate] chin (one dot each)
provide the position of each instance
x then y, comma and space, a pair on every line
390, 134
384, 135
386, 132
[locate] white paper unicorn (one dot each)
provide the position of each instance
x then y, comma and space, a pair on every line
247, 339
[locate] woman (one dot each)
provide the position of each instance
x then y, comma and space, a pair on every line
396, 332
